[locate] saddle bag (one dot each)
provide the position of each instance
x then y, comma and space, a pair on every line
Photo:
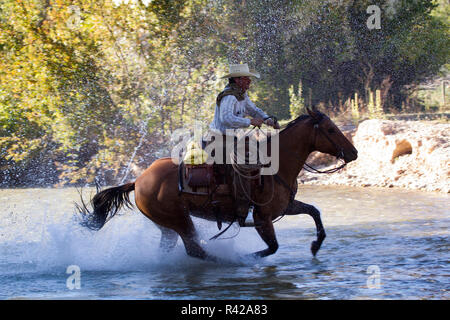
199, 175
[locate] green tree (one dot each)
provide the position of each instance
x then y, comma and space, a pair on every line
297, 106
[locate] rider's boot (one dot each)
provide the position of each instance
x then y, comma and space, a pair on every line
245, 215
242, 207
249, 221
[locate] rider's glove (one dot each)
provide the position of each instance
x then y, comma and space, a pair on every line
269, 122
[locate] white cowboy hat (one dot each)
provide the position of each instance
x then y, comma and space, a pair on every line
240, 70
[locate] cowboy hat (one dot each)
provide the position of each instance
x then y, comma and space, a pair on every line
240, 70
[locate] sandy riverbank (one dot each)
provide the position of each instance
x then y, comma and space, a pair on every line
405, 154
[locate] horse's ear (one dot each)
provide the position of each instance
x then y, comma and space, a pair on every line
312, 112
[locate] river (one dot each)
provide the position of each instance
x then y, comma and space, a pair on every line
381, 244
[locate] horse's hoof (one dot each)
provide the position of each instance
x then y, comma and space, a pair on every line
251, 257
315, 246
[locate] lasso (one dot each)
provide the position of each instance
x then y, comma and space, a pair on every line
244, 171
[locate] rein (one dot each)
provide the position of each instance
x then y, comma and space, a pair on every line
308, 168
340, 156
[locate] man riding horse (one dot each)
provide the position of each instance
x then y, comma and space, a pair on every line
157, 190
232, 107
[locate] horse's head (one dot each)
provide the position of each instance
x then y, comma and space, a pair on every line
327, 138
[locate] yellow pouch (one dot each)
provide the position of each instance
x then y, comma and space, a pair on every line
195, 154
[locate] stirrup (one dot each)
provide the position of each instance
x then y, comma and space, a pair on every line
249, 222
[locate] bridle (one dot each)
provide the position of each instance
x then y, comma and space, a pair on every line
307, 167
340, 155
318, 129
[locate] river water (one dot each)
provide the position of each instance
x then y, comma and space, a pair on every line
381, 244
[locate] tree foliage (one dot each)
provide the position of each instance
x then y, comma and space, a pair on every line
94, 88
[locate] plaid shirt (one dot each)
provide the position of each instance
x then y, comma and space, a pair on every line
231, 114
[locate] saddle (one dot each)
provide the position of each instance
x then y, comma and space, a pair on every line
196, 176
220, 182
203, 179
199, 177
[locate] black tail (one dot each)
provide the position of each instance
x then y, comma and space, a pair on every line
105, 205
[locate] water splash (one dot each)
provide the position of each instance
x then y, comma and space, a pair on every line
143, 134
49, 240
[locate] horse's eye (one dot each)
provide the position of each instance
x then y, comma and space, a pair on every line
331, 131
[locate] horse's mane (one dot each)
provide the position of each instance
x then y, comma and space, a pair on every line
299, 119
296, 120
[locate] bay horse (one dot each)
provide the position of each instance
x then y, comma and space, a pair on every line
157, 195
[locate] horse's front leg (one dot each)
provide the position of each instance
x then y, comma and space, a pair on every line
267, 233
298, 207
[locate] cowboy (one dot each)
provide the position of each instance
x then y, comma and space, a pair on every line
232, 107
233, 103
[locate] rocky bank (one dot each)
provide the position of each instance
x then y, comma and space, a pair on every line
403, 154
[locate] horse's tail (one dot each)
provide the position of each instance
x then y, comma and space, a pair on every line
105, 205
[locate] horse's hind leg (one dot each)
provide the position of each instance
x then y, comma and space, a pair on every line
168, 239
191, 243
298, 207
194, 249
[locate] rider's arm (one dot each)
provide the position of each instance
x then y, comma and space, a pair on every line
253, 110
228, 118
